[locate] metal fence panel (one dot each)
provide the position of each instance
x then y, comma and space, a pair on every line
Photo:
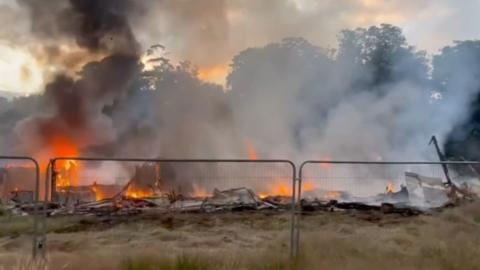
193, 176
375, 183
39, 220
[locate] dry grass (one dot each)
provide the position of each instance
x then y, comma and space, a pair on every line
447, 240
11, 226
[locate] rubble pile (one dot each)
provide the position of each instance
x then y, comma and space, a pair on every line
417, 195
237, 199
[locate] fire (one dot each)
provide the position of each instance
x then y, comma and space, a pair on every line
262, 195
252, 153
67, 171
279, 188
137, 193
308, 186
282, 189
326, 166
390, 188
98, 194
200, 192
332, 195
214, 74
62, 146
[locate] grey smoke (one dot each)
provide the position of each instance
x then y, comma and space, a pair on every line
292, 99
75, 105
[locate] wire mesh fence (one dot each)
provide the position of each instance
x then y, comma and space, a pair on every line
352, 181
187, 177
188, 185
20, 183
234, 183
419, 185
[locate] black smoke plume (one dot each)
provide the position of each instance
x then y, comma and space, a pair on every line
76, 105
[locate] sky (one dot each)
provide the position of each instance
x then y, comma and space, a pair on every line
210, 32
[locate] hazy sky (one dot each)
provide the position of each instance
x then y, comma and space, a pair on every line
210, 32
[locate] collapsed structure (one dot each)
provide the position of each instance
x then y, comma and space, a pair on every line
151, 188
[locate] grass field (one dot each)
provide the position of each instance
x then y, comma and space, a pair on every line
343, 240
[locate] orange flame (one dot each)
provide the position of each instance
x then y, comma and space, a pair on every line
252, 153
137, 193
308, 186
200, 192
98, 194
390, 188
279, 188
326, 166
332, 195
67, 173
214, 74
282, 189
262, 195
67, 170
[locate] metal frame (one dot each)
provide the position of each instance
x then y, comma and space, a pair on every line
51, 169
38, 237
40, 225
296, 217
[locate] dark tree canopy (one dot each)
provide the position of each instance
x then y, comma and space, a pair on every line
457, 69
384, 55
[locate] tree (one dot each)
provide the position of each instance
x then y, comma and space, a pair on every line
169, 112
456, 73
382, 55
272, 90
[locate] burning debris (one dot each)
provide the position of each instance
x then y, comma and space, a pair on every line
166, 188
226, 200
420, 193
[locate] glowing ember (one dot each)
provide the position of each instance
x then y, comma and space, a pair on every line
262, 195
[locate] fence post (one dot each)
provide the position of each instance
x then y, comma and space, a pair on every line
292, 218
38, 239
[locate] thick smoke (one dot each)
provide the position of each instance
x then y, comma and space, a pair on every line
370, 99
94, 25
75, 106
458, 75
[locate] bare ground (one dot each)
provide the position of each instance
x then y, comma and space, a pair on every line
252, 240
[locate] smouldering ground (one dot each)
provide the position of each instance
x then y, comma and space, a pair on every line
447, 240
